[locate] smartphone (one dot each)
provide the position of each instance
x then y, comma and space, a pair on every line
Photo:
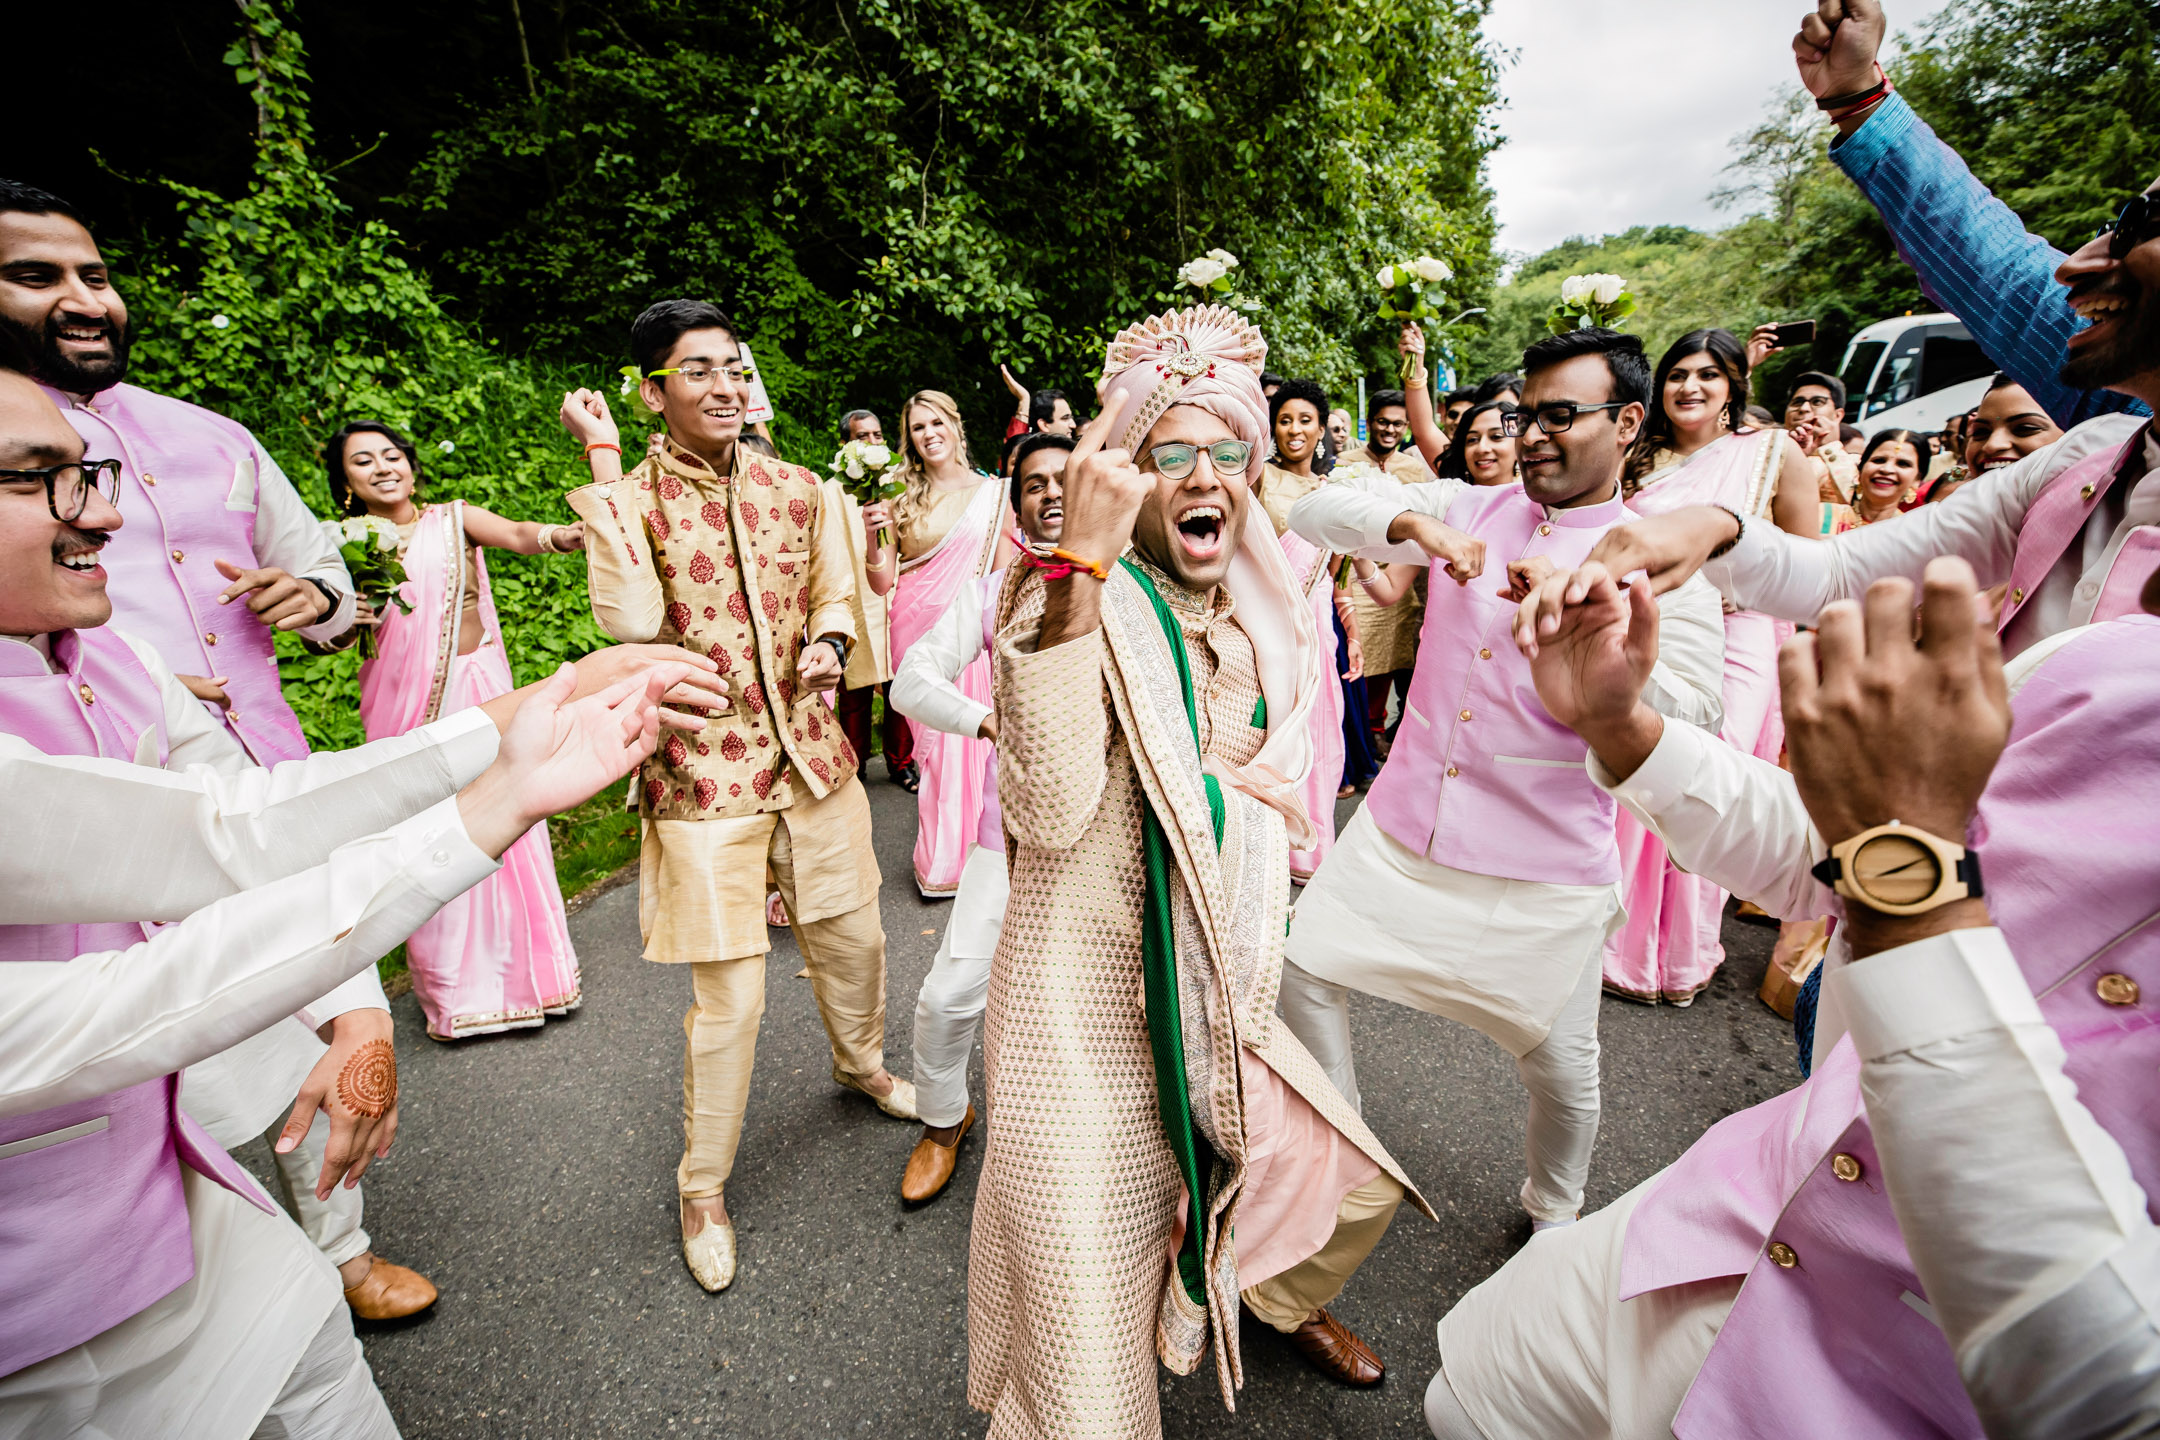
1799, 332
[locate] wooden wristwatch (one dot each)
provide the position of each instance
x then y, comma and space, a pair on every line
1899, 869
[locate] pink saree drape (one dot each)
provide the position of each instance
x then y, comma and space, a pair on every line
1309, 566
499, 956
949, 801
1669, 946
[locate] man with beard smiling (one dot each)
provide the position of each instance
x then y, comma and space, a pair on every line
2073, 530
1481, 877
1151, 1163
211, 518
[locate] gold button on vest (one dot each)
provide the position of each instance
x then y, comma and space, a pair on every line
1452, 772
1845, 1167
178, 556
1466, 714
2116, 989
1544, 529
1782, 1255
1484, 654
87, 697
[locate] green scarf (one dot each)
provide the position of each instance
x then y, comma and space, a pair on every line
1158, 969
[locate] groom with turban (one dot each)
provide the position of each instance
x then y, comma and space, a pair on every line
1160, 1147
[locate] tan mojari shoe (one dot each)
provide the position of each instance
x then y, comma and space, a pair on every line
900, 1104
389, 1292
1333, 1349
930, 1167
710, 1254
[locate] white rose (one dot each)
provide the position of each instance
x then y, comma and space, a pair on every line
877, 457
1223, 258
1388, 278
1201, 273
854, 470
1574, 289
1432, 271
1607, 288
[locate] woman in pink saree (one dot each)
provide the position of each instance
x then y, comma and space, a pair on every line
499, 956
950, 522
1698, 449
1297, 412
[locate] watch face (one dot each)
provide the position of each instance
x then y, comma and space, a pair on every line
1895, 868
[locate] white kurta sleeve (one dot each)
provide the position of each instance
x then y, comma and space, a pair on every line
108, 1020
195, 740
1793, 577
1688, 682
288, 536
2020, 1212
923, 687
1729, 817
186, 839
1351, 516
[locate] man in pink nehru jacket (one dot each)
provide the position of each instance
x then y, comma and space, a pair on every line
219, 552
1946, 1230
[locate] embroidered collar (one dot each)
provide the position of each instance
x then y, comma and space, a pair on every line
1185, 604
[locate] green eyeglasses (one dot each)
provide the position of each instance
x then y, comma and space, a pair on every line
1176, 460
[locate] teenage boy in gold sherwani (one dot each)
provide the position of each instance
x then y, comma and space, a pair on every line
743, 558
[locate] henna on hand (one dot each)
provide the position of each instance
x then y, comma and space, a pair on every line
368, 1083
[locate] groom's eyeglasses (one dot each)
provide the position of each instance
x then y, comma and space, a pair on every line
1176, 460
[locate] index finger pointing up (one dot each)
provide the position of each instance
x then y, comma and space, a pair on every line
1097, 435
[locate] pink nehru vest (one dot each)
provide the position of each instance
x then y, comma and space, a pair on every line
2069, 839
2059, 515
990, 830
93, 1221
1481, 778
188, 493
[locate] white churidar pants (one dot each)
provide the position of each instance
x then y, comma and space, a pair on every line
333, 1224
949, 1008
1517, 960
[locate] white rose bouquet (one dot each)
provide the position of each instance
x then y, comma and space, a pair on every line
1209, 274
1587, 300
870, 472
1410, 291
368, 544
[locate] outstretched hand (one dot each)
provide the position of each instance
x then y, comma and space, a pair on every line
558, 752
355, 1084
1020, 392
1837, 46
1591, 670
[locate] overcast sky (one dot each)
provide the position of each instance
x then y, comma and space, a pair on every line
1621, 112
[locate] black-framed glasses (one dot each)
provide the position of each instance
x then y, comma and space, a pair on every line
2133, 225
1554, 419
68, 487
1176, 460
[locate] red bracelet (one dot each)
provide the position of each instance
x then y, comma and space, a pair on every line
603, 445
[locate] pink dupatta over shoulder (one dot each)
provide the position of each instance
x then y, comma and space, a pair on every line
949, 802
499, 956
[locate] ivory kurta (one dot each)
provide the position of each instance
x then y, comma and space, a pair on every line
1071, 1287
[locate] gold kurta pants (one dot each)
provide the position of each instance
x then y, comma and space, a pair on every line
703, 903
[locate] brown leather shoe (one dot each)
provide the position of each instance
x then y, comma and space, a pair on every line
1336, 1352
930, 1166
389, 1292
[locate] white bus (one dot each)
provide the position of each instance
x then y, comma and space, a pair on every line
1914, 373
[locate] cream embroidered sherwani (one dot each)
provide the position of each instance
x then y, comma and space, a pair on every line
1072, 1287
746, 569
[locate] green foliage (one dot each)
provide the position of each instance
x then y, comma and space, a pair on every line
890, 195
2055, 104
279, 309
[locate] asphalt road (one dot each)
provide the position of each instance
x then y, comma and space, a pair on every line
534, 1182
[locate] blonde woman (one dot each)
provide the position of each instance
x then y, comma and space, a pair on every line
950, 522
